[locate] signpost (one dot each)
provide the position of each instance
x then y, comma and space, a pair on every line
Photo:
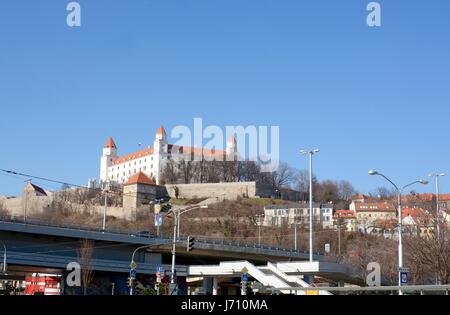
403, 275
327, 248
244, 280
133, 266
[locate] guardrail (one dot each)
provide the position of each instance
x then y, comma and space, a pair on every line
445, 289
199, 239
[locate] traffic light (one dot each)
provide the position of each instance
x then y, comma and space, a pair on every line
190, 243
166, 208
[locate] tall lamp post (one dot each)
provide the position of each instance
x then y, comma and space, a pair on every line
105, 209
310, 153
176, 215
259, 216
438, 217
4, 257
399, 200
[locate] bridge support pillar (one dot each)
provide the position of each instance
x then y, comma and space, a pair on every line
215, 288
208, 285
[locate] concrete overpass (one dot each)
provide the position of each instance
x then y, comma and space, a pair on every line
38, 245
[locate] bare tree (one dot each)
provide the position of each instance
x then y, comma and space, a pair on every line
170, 172
85, 260
187, 169
282, 177
383, 193
248, 171
301, 181
432, 252
345, 190
3, 211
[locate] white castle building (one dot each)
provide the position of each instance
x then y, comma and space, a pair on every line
151, 161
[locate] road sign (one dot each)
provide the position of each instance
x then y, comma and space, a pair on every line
158, 219
244, 277
244, 270
403, 278
133, 273
312, 292
133, 265
159, 269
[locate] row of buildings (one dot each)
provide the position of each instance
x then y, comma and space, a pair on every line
365, 214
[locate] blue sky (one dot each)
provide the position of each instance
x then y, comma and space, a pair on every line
368, 98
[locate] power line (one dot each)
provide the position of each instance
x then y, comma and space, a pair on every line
11, 172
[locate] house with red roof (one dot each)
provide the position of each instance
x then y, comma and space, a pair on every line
417, 221
345, 219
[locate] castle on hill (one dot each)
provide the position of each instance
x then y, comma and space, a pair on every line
151, 161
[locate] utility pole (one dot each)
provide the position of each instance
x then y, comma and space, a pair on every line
310, 153
175, 217
106, 187
25, 195
295, 236
438, 217
4, 257
259, 228
399, 191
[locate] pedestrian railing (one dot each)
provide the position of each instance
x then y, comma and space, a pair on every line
393, 290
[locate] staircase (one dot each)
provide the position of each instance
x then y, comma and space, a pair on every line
269, 276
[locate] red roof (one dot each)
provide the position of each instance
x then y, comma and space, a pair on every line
133, 156
414, 212
359, 196
110, 143
140, 178
344, 214
161, 131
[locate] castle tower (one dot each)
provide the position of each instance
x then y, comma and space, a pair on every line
160, 151
231, 146
108, 156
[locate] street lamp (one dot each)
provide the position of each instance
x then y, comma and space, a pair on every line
177, 213
399, 200
437, 176
259, 216
105, 209
4, 257
310, 153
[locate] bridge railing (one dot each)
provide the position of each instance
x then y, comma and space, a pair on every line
200, 239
